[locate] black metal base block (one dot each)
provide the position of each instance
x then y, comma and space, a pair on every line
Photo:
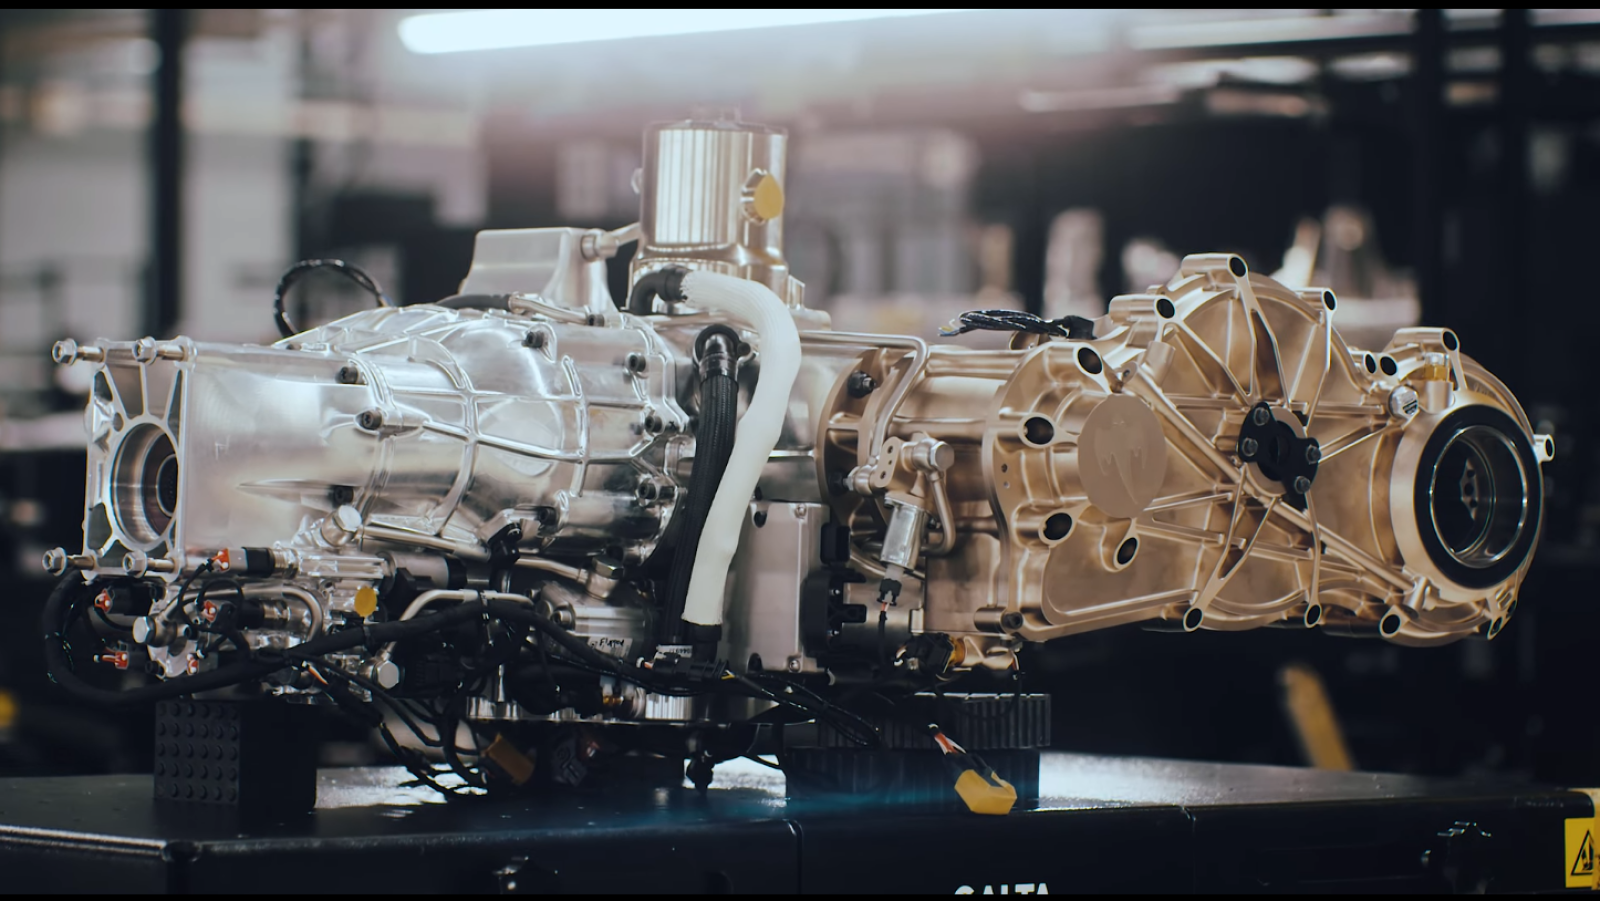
244, 755
1101, 824
979, 722
906, 778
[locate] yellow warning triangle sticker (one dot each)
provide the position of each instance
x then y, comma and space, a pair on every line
1583, 863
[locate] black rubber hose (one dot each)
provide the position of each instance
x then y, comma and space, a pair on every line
719, 416
665, 283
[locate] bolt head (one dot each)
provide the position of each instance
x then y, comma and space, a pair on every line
55, 561
860, 384
637, 363
65, 352
535, 340
1301, 485
386, 674
144, 350
1403, 402
1012, 620
371, 420
135, 563
795, 664
1248, 447
1261, 416
1313, 454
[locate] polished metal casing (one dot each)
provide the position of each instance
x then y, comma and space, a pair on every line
712, 197
1214, 457
1100, 482
441, 426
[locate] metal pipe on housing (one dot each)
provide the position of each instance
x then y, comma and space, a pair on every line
269, 591
399, 536
919, 362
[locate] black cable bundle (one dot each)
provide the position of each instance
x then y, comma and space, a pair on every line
349, 270
719, 418
1075, 328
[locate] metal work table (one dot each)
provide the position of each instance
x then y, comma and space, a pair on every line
1103, 824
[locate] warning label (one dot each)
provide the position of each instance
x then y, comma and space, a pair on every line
1580, 853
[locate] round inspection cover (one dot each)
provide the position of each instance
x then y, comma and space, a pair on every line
1122, 456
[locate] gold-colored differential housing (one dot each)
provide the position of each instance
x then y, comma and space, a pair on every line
1217, 457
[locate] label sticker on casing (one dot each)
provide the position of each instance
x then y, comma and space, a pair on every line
1579, 859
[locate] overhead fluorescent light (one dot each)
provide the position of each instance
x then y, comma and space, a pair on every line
494, 29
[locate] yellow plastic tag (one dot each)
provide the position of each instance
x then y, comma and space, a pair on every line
764, 198
982, 796
517, 766
366, 601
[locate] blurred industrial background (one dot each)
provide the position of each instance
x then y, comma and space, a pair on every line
160, 168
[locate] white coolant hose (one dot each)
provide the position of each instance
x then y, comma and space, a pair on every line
746, 302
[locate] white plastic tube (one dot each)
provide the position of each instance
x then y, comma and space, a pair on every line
757, 434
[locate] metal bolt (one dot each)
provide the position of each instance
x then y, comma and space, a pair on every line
860, 384
386, 673
932, 455
1403, 403
535, 340
144, 350
70, 351
646, 490
1301, 484
1012, 621
135, 563
637, 363
1313, 454
1248, 447
55, 561
1261, 416
795, 664
371, 420
349, 375
653, 423
341, 525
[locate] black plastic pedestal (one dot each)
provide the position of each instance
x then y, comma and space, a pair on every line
247, 755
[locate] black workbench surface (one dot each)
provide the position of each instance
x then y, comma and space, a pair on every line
1102, 824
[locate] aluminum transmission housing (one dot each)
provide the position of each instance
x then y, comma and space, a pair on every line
1209, 455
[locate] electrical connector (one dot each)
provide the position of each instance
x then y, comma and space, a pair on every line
671, 664
509, 760
980, 789
977, 784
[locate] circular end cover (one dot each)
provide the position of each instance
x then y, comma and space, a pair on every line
1122, 456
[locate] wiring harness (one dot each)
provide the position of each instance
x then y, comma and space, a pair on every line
349, 270
519, 636
1075, 328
